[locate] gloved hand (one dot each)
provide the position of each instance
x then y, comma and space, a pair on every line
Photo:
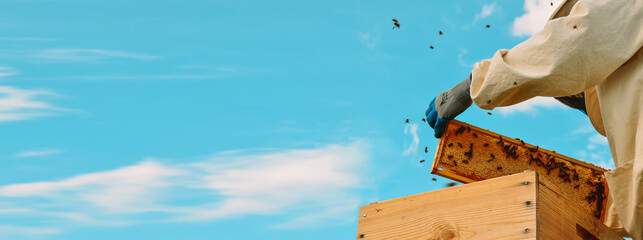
447, 105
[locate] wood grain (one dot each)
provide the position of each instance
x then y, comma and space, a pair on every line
518, 206
560, 218
492, 209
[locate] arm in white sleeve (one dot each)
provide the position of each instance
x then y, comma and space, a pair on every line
570, 55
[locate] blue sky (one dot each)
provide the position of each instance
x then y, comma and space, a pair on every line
241, 119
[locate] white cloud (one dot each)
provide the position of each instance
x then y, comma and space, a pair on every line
486, 11
13, 231
597, 149
531, 106
598, 139
316, 179
303, 185
461, 58
585, 128
21, 104
88, 55
607, 164
7, 71
536, 16
412, 129
14, 210
368, 39
123, 190
139, 77
38, 153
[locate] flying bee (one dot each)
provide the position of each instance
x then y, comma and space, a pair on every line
488, 26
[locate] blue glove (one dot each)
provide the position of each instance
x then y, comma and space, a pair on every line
447, 105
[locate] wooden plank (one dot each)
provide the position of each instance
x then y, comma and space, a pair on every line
560, 218
467, 153
491, 209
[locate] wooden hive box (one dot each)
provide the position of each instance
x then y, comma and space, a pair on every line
518, 206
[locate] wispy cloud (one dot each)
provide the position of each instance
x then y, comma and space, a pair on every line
13, 231
21, 104
38, 153
303, 185
135, 77
487, 10
412, 129
7, 71
369, 40
597, 149
537, 12
531, 106
88, 55
461, 58
596, 140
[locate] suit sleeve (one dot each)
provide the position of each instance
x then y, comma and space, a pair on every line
570, 55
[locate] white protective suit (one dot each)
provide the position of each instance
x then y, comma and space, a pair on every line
590, 46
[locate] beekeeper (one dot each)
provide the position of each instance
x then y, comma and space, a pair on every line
589, 56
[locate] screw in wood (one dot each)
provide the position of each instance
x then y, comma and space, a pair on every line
528, 203
361, 236
526, 183
364, 215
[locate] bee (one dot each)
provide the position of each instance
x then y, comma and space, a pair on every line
551, 3
475, 135
426, 149
488, 113
406, 121
450, 144
421, 161
423, 119
431, 47
433, 179
455, 163
396, 24
486, 145
451, 184
499, 168
440, 32
465, 161
488, 26
450, 156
